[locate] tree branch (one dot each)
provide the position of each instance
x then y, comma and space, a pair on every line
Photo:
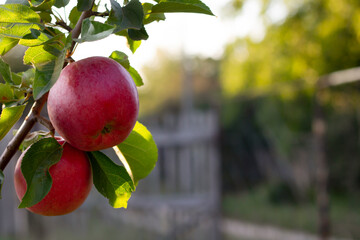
35, 111
63, 25
25, 128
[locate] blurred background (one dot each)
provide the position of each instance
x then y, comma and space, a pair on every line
256, 113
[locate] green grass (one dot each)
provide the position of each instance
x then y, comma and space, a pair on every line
255, 207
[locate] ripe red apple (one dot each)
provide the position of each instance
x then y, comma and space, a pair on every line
94, 104
72, 182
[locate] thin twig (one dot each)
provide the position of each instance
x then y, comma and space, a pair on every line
63, 25
46, 122
33, 115
100, 14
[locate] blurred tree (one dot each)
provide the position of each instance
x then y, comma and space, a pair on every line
316, 38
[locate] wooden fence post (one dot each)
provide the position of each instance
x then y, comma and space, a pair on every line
322, 170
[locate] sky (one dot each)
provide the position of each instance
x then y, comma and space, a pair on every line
191, 34
183, 33
186, 33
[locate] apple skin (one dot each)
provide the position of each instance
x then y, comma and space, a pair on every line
94, 104
72, 182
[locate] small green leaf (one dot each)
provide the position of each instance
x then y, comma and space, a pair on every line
36, 3
32, 138
1, 181
123, 59
138, 35
61, 3
27, 78
34, 38
23, 2
45, 16
42, 5
9, 116
111, 180
46, 76
74, 16
191, 6
138, 153
35, 168
6, 93
151, 17
16, 20
116, 15
130, 16
84, 5
93, 31
6, 44
133, 45
16, 78
133, 15
48, 61
5, 71
136, 76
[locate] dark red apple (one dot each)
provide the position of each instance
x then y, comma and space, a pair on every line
72, 182
94, 104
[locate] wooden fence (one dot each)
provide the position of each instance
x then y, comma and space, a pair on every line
178, 200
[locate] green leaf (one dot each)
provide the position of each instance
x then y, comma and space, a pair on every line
133, 15
84, 5
136, 76
138, 153
45, 16
93, 31
34, 38
42, 5
61, 3
16, 78
116, 15
138, 35
27, 78
5, 71
74, 16
9, 116
16, 20
23, 2
1, 181
151, 17
130, 16
133, 45
35, 168
48, 61
111, 180
6, 44
123, 59
192, 6
32, 138
6, 93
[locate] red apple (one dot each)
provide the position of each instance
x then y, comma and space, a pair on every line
72, 182
94, 104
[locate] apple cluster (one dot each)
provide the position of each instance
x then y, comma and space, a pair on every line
93, 106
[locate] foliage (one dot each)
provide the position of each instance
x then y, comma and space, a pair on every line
300, 48
274, 79
50, 42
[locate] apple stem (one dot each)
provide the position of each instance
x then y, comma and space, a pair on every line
46, 122
34, 114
